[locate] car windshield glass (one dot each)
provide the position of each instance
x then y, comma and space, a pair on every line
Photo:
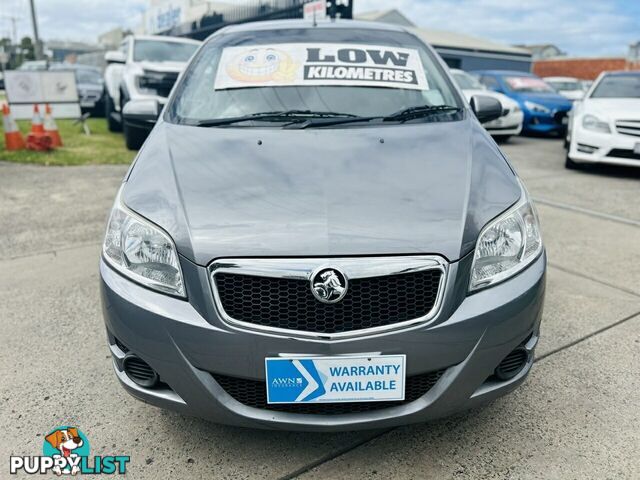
467, 82
565, 86
269, 71
618, 86
159, 51
527, 84
88, 76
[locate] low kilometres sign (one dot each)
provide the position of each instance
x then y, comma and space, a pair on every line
335, 379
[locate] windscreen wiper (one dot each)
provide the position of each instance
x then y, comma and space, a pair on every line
277, 116
410, 113
420, 111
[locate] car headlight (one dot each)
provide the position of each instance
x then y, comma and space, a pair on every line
593, 123
506, 245
536, 107
142, 251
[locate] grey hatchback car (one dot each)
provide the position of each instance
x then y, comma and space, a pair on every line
319, 235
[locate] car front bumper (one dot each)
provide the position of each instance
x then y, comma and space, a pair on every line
593, 147
555, 122
510, 124
186, 343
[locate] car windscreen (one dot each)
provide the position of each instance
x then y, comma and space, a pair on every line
618, 86
159, 51
467, 82
356, 72
565, 86
88, 76
525, 84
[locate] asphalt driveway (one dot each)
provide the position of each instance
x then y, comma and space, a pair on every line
577, 416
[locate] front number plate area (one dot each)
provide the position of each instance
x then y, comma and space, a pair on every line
335, 379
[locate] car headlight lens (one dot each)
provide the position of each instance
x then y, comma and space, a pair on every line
141, 251
506, 245
593, 123
536, 107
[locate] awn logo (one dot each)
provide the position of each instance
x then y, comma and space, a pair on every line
66, 452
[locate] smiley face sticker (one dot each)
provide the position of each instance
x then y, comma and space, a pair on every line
262, 65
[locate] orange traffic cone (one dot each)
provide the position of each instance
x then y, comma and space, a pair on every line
51, 128
38, 139
37, 127
12, 137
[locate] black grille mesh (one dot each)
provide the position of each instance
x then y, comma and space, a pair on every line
289, 303
253, 394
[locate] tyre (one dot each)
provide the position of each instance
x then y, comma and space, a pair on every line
134, 137
113, 124
570, 164
501, 138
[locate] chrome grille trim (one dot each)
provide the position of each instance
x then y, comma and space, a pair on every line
628, 127
352, 267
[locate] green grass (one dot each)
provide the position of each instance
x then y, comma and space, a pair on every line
101, 147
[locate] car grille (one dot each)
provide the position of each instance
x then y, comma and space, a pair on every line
623, 153
628, 127
289, 304
160, 82
253, 393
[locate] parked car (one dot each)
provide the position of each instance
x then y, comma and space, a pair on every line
570, 87
605, 126
90, 86
319, 234
509, 123
545, 111
32, 65
143, 69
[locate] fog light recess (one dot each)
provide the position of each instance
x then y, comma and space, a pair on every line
512, 364
139, 371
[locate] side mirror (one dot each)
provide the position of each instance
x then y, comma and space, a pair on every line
141, 113
486, 108
115, 56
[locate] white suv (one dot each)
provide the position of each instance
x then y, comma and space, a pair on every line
143, 68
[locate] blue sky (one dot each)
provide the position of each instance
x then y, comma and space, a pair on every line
580, 27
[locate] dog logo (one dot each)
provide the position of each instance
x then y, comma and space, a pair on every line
262, 65
329, 285
67, 443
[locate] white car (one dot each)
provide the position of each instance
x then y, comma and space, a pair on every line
605, 126
510, 123
143, 68
570, 87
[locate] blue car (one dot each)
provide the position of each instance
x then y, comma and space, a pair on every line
545, 111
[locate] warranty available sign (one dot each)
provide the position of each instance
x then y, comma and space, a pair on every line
309, 64
335, 379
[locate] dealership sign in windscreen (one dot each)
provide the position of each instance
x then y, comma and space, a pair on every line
309, 64
57, 88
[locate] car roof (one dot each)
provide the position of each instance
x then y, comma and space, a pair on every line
166, 38
299, 23
622, 73
505, 72
73, 66
561, 79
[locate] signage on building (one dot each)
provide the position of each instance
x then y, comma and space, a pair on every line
315, 10
167, 15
